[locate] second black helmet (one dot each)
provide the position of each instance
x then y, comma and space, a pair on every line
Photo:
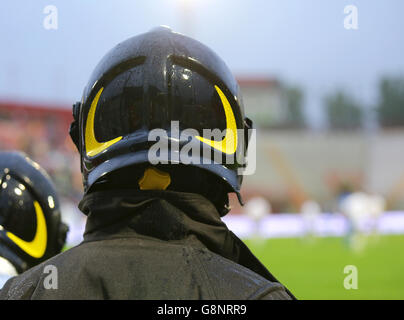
31, 227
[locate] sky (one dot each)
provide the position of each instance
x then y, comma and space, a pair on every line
300, 42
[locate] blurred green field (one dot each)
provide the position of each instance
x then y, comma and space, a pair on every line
314, 268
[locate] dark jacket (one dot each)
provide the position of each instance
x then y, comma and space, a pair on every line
151, 245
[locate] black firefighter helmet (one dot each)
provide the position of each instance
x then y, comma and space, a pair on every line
31, 230
161, 80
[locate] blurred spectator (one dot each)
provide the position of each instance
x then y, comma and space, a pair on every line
310, 211
257, 208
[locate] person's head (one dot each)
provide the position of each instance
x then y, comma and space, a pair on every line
31, 229
141, 121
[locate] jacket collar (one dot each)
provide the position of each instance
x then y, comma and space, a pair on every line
168, 216
165, 215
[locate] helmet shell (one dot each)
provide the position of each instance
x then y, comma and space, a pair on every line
30, 217
148, 82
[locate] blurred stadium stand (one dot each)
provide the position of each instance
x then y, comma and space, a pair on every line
42, 132
294, 166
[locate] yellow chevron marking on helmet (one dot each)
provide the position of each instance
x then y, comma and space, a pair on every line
94, 147
154, 179
37, 247
229, 143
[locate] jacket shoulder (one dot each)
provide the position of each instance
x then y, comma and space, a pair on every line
32, 282
230, 280
21, 287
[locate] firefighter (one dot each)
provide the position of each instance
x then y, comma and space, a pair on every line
31, 230
154, 197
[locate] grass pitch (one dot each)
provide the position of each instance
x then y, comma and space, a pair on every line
314, 268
